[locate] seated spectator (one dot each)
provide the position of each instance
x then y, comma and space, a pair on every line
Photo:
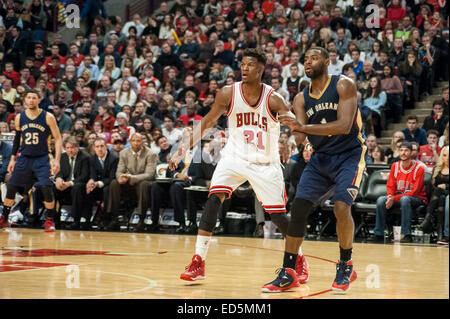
70, 182
110, 69
378, 155
102, 167
291, 84
5, 152
427, 55
392, 85
364, 77
164, 148
123, 126
99, 129
125, 95
375, 99
138, 115
336, 64
181, 178
4, 114
443, 140
276, 84
429, 153
379, 65
410, 72
440, 182
88, 64
413, 132
392, 153
105, 115
62, 119
371, 142
134, 177
395, 11
191, 114
437, 120
405, 186
219, 71
173, 134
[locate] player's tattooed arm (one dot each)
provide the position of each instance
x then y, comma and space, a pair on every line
51, 122
191, 138
297, 121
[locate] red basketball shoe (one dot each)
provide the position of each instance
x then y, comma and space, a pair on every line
301, 268
3, 222
49, 225
344, 276
195, 270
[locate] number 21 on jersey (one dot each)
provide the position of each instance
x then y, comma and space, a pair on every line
250, 135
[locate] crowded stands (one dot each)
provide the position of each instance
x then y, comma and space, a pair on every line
123, 91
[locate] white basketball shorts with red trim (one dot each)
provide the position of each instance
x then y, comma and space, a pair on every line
266, 179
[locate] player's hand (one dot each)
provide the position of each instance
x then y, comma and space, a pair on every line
290, 120
11, 165
55, 167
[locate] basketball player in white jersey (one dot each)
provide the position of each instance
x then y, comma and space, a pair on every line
251, 154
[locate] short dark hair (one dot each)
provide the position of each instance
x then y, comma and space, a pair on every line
158, 138
33, 91
412, 117
429, 132
323, 51
437, 102
98, 138
408, 145
257, 54
170, 117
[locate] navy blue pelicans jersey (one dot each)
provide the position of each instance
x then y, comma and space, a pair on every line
35, 135
323, 109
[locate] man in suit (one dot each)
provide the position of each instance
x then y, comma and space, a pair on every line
16, 46
71, 181
103, 166
134, 176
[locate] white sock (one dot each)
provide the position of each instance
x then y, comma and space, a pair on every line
202, 245
300, 253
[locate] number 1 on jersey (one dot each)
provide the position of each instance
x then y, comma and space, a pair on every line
249, 135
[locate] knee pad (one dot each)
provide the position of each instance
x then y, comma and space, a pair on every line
47, 193
209, 217
301, 208
281, 221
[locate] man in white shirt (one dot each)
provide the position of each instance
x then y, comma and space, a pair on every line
169, 130
295, 58
136, 22
335, 66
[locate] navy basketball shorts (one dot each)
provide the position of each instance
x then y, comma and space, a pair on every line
27, 169
340, 174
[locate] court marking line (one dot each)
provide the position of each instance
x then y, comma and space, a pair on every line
278, 250
152, 284
40, 268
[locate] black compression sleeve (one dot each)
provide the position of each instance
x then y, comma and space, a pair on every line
16, 143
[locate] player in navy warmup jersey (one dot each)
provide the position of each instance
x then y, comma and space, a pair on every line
33, 129
326, 111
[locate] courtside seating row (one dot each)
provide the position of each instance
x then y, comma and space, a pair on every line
373, 186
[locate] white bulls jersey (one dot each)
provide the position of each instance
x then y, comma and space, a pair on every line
253, 132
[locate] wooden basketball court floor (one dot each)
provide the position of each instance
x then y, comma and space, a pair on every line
95, 265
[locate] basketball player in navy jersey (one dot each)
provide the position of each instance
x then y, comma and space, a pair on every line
326, 111
33, 129
251, 153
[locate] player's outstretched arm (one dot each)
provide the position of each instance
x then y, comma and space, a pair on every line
345, 112
219, 107
51, 122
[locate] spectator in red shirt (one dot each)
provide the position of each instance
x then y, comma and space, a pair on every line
405, 186
429, 153
27, 78
10, 73
286, 40
53, 67
77, 57
55, 52
191, 114
396, 12
18, 108
268, 6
